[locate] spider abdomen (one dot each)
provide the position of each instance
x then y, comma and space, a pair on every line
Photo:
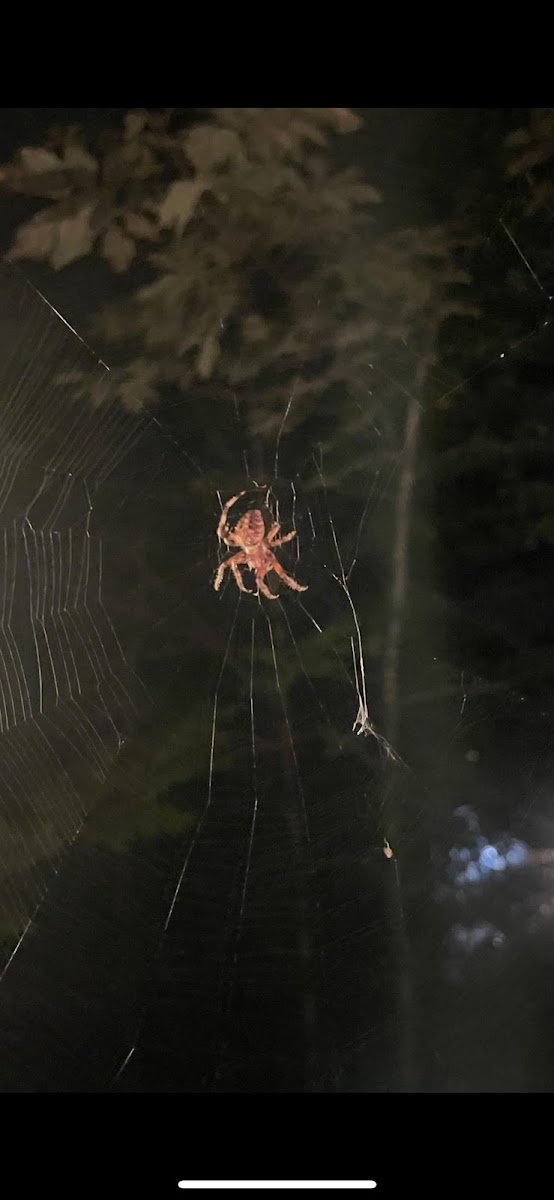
251, 528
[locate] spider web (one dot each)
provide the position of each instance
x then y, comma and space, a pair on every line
253, 941
68, 695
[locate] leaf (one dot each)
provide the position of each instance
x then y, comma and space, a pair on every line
75, 238
118, 249
77, 158
58, 239
36, 239
345, 121
179, 203
209, 146
37, 160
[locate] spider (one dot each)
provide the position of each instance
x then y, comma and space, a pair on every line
255, 549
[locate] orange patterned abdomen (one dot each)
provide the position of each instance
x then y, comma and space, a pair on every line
251, 528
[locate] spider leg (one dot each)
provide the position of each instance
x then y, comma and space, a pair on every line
263, 588
232, 562
228, 537
222, 527
273, 531
238, 577
281, 541
220, 573
290, 582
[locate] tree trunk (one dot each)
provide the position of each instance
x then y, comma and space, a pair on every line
407, 1070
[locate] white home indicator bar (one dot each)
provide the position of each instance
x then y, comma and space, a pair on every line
277, 1183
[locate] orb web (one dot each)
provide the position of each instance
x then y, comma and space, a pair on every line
68, 695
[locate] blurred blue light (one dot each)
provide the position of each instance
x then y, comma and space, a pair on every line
488, 857
491, 860
517, 854
460, 854
471, 874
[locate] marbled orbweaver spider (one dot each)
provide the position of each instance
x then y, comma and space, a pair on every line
255, 550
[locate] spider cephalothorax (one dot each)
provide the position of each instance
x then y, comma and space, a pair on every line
255, 549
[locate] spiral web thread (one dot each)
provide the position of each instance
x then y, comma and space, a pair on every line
68, 696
